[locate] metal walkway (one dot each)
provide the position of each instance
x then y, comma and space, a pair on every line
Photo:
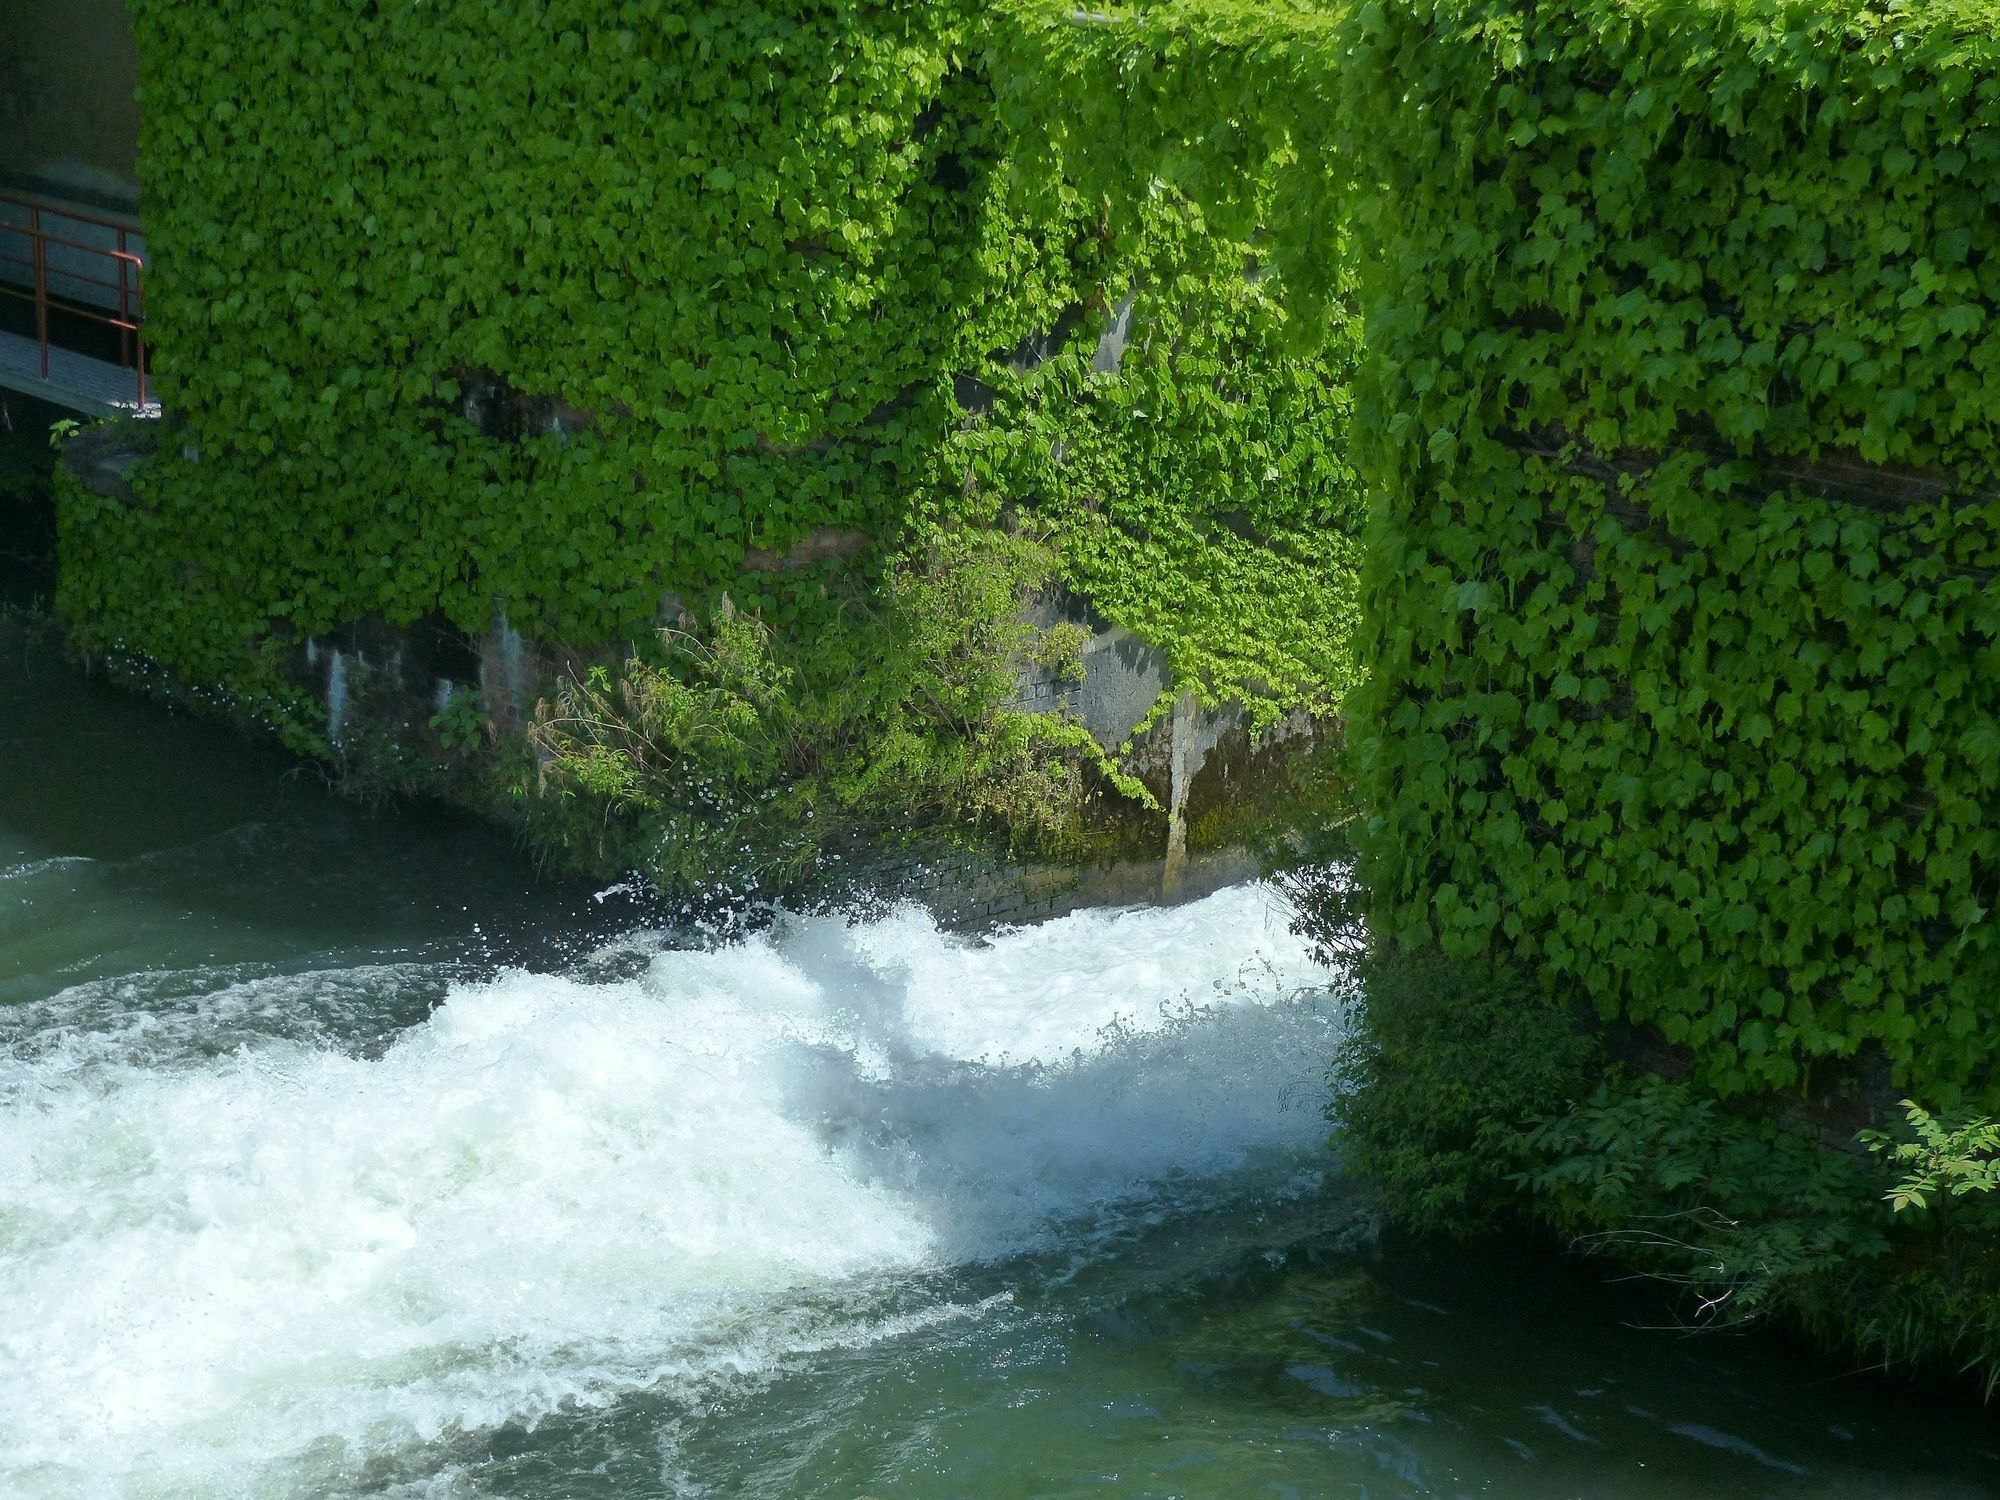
75, 270
95, 387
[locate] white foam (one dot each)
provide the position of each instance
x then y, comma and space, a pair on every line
336, 696
34, 867
163, 1018
281, 1269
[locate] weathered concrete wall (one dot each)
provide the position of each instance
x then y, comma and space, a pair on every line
973, 894
379, 687
378, 681
69, 108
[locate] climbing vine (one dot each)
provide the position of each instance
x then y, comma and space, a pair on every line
1201, 486
1681, 619
583, 314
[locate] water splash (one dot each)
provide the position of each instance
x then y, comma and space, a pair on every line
336, 695
505, 672
279, 1263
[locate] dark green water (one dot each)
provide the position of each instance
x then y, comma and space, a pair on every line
340, 1156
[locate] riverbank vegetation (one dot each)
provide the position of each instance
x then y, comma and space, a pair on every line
1473, 1102
1679, 626
725, 751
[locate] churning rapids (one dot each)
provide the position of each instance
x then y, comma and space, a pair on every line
248, 1238
339, 1156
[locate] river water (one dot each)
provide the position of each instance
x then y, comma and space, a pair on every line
340, 1155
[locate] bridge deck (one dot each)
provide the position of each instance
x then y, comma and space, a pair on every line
95, 387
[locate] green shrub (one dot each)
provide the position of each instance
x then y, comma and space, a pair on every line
1468, 1107
1446, 1063
730, 750
1747, 1214
1942, 1160
1749, 1217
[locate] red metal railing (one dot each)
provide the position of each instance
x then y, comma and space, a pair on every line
114, 296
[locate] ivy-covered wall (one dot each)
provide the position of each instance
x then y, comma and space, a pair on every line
1678, 420
1682, 613
562, 309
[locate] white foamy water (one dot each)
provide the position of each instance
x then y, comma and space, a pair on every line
36, 867
288, 1263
